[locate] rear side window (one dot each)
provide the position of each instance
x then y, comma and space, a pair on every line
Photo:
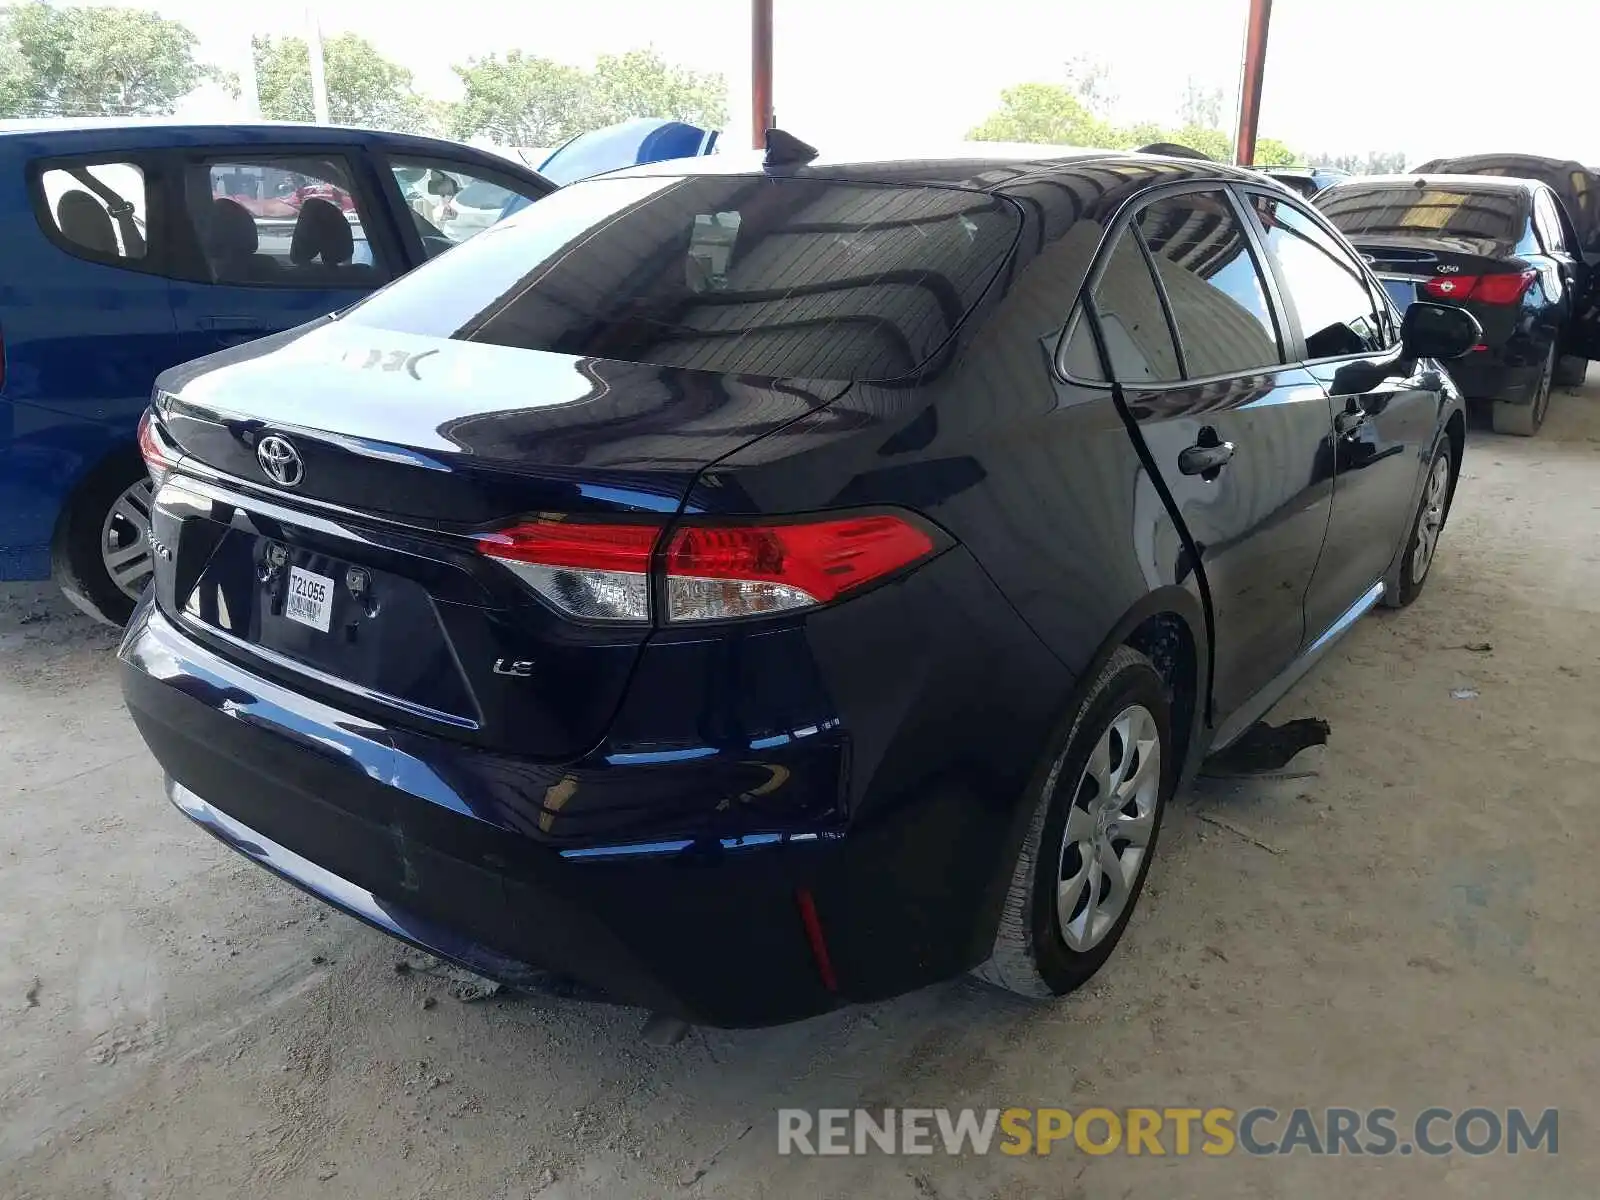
1548, 222
741, 274
285, 221
1355, 209
1218, 301
1133, 323
96, 211
1338, 314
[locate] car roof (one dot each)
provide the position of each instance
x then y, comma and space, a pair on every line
977, 166
79, 135
1466, 183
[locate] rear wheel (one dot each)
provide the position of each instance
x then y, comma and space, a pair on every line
1088, 848
1571, 370
101, 556
1524, 420
1426, 528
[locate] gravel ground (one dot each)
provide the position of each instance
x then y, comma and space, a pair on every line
1406, 924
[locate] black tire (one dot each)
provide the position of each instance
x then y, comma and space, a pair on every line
77, 562
1414, 570
1031, 956
1571, 370
1525, 420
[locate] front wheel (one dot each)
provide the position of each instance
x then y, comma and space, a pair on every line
101, 556
1088, 848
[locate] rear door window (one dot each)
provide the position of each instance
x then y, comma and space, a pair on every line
729, 273
96, 210
1219, 303
1338, 314
283, 221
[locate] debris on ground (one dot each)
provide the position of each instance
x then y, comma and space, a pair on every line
32, 994
1463, 693
1266, 749
1479, 647
1240, 833
428, 1002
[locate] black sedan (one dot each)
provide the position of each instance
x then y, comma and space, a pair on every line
1506, 251
757, 586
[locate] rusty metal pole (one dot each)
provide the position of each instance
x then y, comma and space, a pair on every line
760, 71
1250, 76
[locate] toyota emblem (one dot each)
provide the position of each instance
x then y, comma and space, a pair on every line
280, 460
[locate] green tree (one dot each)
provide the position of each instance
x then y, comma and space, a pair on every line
1042, 112
641, 83
520, 100
364, 87
524, 100
94, 61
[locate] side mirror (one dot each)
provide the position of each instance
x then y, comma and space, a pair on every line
1438, 331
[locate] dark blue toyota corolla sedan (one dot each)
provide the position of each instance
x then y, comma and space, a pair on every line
752, 586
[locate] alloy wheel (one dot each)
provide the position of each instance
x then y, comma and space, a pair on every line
1435, 496
125, 539
1109, 828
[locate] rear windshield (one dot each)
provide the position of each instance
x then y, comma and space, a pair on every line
741, 274
1499, 214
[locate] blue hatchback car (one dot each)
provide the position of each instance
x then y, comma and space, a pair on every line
134, 246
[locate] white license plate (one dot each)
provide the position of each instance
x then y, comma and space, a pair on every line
310, 599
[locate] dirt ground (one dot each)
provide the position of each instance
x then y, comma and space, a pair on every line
1407, 924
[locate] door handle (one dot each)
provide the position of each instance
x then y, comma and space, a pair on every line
1350, 420
1205, 459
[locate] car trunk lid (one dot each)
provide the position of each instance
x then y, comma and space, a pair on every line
321, 519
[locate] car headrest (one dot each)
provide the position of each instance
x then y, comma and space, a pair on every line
233, 231
83, 220
321, 231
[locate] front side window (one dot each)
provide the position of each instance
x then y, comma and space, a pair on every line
287, 221
96, 211
1326, 285
450, 203
730, 273
1218, 300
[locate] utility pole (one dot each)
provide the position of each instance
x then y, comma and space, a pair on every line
1251, 74
249, 90
319, 82
760, 71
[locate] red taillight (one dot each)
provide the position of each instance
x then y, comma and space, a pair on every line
715, 572
156, 459
1505, 288
708, 572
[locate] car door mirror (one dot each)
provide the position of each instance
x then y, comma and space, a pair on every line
1438, 331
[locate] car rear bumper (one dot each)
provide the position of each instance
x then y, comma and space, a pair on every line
1484, 375
734, 931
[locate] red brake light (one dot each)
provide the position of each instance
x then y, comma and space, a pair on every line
716, 572
1450, 287
156, 459
711, 572
1503, 289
